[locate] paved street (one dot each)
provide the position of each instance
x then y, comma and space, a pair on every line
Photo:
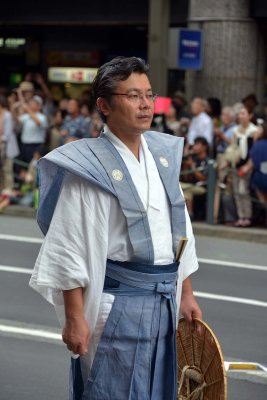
37, 367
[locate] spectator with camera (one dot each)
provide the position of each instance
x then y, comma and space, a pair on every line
23, 94
42, 90
34, 126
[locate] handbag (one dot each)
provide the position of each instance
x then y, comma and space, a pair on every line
232, 154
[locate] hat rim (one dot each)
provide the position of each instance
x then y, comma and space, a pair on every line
200, 350
26, 86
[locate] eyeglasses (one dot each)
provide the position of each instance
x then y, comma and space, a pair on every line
137, 97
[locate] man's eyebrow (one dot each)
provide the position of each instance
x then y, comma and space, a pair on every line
138, 90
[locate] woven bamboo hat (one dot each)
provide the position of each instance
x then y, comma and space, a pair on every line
201, 372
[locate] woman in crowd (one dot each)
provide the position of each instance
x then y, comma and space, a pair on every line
8, 146
258, 163
243, 137
54, 136
172, 122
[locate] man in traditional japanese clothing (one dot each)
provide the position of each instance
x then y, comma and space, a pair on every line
114, 215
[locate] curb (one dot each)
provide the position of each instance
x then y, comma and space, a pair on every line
247, 371
254, 377
19, 211
256, 235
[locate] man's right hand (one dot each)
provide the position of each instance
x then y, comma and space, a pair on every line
76, 335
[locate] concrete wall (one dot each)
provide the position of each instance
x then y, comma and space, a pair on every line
234, 56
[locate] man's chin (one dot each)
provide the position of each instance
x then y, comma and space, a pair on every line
145, 127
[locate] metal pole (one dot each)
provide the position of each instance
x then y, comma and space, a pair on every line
211, 192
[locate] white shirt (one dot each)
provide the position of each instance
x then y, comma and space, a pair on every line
31, 132
89, 226
201, 125
241, 137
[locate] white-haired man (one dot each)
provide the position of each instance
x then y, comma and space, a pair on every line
201, 124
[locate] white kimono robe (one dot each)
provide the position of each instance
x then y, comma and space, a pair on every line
88, 227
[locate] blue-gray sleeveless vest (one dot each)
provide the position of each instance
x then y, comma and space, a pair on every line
95, 160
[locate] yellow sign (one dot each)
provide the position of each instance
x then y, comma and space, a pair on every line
71, 75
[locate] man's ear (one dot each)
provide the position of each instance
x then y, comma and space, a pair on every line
103, 106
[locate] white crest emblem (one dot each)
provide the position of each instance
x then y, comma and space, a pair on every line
117, 175
164, 162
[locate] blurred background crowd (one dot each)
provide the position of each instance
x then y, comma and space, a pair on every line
33, 122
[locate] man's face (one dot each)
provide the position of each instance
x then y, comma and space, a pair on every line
197, 106
73, 107
27, 94
131, 115
199, 148
34, 106
243, 116
226, 118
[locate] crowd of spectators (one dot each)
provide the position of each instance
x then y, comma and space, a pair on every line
235, 136
33, 123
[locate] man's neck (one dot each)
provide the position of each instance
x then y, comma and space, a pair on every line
202, 156
74, 115
245, 125
132, 141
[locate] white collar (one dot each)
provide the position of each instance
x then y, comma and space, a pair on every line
144, 173
137, 169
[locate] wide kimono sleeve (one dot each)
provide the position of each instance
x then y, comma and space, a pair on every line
189, 262
74, 251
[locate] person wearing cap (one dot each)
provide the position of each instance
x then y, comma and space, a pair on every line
112, 262
34, 126
25, 93
27, 90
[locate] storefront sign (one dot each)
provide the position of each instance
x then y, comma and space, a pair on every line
185, 49
72, 58
12, 43
190, 49
71, 75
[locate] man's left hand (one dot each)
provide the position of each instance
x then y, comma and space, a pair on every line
189, 307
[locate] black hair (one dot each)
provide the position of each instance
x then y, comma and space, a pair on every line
202, 140
216, 106
250, 97
109, 74
3, 101
42, 150
264, 127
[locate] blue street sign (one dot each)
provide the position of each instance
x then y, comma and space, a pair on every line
190, 45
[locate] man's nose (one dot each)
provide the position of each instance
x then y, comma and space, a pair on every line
144, 102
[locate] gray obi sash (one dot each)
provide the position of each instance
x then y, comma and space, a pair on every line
134, 279
99, 162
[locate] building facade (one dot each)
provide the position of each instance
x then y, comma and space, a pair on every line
35, 37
